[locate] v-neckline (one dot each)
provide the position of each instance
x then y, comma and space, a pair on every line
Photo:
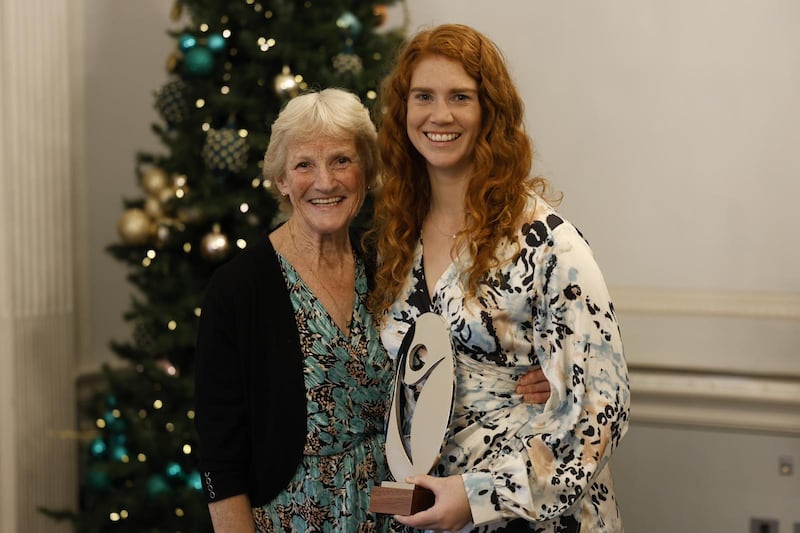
344, 333
424, 279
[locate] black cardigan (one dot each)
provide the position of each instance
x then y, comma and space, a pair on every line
249, 390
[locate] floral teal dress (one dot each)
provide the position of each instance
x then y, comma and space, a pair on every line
347, 381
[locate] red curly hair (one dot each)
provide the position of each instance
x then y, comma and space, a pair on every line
500, 186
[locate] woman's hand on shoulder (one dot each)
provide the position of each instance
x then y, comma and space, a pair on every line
533, 386
450, 512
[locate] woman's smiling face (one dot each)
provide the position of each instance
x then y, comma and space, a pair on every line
443, 120
325, 184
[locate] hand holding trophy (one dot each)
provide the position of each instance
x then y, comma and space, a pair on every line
425, 361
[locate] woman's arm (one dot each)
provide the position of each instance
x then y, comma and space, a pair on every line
561, 451
232, 515
580, 351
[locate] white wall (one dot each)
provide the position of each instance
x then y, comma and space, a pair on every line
126, 56
671, 128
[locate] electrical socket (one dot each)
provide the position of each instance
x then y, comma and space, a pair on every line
786, 465
763, 525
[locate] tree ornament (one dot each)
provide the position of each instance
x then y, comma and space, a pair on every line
173, 60
165, 196
173, 471
194, 481
162, 234
153, 207
171, 102
134, 227
216, 43
176, 11
119, 452
186, 41
97, 480
167, 367
346, 63
98, 447
349, 24
199, 61
381, 13
118, 426
286, 85
143, 335
109, 418
156, 485
191, 214
154, 180
215, 245
225, 151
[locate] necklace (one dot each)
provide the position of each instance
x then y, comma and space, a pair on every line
449, 235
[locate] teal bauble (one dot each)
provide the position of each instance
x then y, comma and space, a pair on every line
216, 43
118, 426
157, 485
97, 480
173, 471
98, 447
193, 480
186, 41
198, 61
109, 417
119, 452
349, 24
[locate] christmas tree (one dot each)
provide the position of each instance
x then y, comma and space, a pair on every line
234, 65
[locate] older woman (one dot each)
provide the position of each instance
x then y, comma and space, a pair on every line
466, 232
292, 379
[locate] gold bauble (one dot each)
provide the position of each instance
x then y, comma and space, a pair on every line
215, 245
153, 207
173, 60
165, 196
175, 12
134, 227
154, 180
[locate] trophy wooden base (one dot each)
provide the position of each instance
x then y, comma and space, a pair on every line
399, 498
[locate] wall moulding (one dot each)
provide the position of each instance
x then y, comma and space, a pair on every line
712, 359
704, 302
713, 401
